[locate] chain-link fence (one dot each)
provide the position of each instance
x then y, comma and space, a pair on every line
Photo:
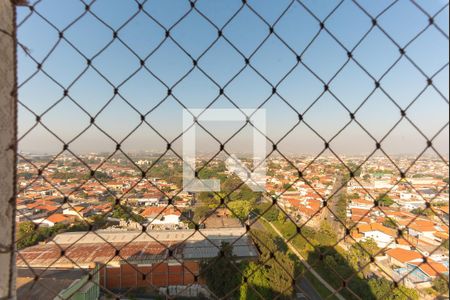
351, 209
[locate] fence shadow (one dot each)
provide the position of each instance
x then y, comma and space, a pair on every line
335, 269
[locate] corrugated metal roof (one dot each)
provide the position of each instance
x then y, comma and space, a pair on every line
134, 247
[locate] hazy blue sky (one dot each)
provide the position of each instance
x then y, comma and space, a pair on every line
222, 62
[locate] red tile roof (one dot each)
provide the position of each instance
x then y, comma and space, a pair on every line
403, 255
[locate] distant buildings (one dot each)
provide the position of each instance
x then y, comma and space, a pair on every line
416, 205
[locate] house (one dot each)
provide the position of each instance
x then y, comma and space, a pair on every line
48, 209
382, 235
426, 230
77, 211
148, 202
162, 217
400, 257
54, 220
419, 271
361, 204
358, 214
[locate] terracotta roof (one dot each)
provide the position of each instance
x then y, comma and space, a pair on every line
41, 202
49, 208
57, 218
403, 255
359, 211
403, 242
162, 211
363, 201
441, 235
423, 227
431, 268
78, 208
376, 227
360, 219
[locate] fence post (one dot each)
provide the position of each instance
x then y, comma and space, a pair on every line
7, 149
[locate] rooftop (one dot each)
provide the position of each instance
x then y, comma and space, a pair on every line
82, 249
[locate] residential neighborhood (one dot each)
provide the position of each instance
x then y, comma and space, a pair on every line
404, 218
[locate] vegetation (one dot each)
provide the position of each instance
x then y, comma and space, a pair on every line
173, 173
341, 207
124, 212
269, 212
385, 200
65, 175
99, 175
422, 212
270, 278
440, 285
390, 223
241, 209
334, 263
445, 244
326, 236
222, 273
29, 234
382, 288
26, 175
358, 257
354, 168
201, 212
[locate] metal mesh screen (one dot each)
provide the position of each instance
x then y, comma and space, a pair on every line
114, 72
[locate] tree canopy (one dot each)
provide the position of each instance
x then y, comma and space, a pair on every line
222, 273
385, 200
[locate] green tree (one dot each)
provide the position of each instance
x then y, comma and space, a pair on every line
272, 214
385, 200
241, 209
26, 228
422, 212
359, 255
281, 217
341, 207
257, 280
221, 273
28, 235
445, 244
390, 223
126, 213
382, 288
277, 268
441, 285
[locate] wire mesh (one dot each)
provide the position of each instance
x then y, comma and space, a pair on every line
308, 266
